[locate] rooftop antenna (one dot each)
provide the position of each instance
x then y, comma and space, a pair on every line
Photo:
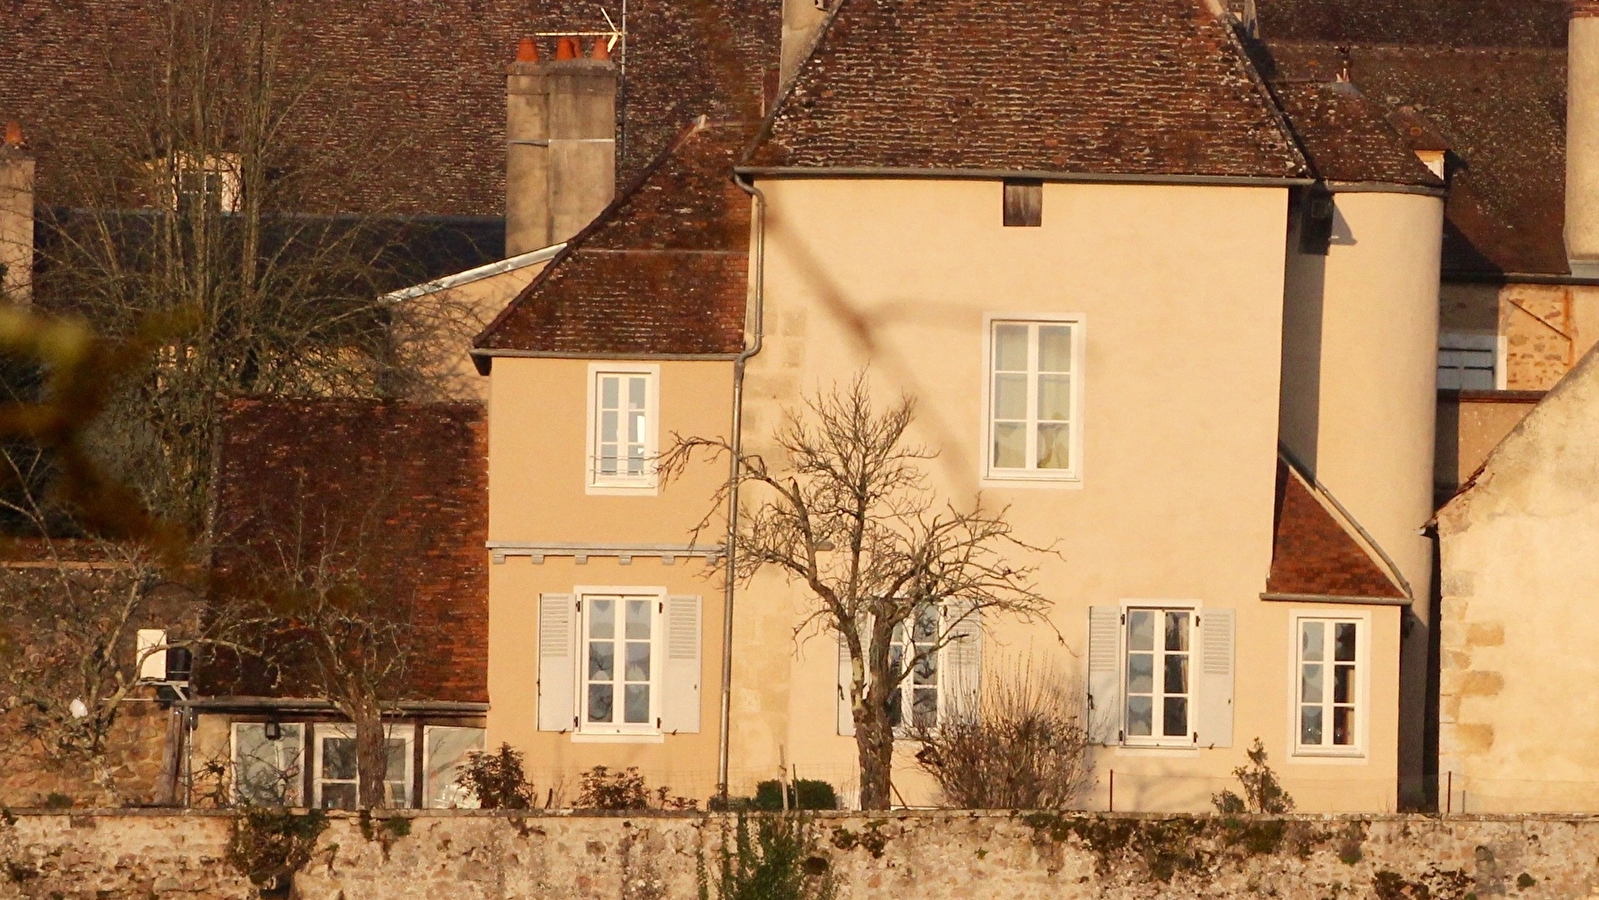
614, 35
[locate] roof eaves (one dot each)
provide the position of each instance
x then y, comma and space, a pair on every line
1030, 174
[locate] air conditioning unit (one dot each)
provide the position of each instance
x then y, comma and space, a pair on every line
152, 662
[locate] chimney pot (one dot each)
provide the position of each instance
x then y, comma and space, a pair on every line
13, 133
566, 49
527, 51
602, 50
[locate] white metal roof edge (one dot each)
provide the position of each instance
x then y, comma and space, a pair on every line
530, 258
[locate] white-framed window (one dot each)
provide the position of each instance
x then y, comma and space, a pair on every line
267, 763
1330, 691
445, 749
334, 773
619, 688
1158, 676
622, 428
919, 693
1033, 406
1471, 361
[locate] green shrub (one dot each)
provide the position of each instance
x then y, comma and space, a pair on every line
806, 793
497, 781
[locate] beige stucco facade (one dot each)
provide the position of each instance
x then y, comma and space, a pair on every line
1518, 572
1178, 296
1179, 291
551, 535
1359, 397
439, 319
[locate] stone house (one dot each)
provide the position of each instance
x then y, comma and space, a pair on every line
1518, 563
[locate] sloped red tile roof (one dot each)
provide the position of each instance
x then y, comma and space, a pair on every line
1346, 138
416, 473
1141, 87
421, 82
1450, 23
1501, 113
664, 270
1312, 553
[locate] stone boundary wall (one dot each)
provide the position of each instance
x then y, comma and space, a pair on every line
940, 855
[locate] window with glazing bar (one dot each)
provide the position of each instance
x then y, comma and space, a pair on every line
1033, 399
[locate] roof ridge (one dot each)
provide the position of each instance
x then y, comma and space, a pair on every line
1246, 59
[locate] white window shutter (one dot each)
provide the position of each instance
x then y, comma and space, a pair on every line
557, 666
962, 662
846, 715
680, 697
1215, 728
1104, 674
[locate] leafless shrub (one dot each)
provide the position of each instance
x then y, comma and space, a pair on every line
1023, 747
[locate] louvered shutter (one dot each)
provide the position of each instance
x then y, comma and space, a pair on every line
1104, 674
846, 715
680, 697
557, 668
962, 662
1215, 727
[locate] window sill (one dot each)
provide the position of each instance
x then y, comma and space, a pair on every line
1056, 482
1314, 758
591, 737
1155, 750
622, 490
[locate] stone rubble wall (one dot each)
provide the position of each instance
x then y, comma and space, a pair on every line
927, 855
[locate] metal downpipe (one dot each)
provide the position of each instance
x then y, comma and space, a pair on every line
736, 443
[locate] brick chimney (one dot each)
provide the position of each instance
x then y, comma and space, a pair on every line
16, 217
1582, 139
560, 130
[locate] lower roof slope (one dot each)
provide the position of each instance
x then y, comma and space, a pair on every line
664, 270
1315, 552
1501, 113
1129, 87
402, 486
1450, 23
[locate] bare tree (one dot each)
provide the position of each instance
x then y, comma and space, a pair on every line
207, 204
70, 660
339, 622
852, 518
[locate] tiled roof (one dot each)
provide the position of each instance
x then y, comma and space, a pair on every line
1453, 23
414, 475
1501, 113
1346, 138
411, 93
1314, 553
664, 270
1139, 87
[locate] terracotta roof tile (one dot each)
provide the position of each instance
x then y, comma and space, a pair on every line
664, 270
418, 470
1152, 87
423, 83
1501, 113
1313, 553
1346, 138
1455, 23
